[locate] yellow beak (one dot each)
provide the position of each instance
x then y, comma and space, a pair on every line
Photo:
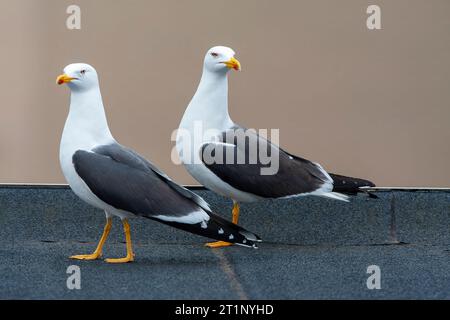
64, 78
233, 64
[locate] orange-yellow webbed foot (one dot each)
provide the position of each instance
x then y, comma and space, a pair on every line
128, 258
98, 251
218, 244
130, 255
93, 256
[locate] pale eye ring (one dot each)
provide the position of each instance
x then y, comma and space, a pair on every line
82, 72
214, 54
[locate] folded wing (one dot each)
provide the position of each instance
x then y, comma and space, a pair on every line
126, 181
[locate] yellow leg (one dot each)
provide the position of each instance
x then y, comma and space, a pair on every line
130, 254
235, 219
98, 251
235, 213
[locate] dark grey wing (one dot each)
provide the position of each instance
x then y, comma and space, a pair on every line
134, 160
125, 183
250, 169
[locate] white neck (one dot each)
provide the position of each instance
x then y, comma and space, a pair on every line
210, 103
86, 125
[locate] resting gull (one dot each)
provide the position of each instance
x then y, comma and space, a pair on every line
244, 181
119, 181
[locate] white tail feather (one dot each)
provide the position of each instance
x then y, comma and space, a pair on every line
336, 195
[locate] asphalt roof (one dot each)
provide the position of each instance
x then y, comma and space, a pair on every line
313, 248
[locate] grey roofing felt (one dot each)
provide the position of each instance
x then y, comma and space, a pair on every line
313, 248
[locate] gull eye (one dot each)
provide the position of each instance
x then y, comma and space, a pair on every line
214, 54
82, 72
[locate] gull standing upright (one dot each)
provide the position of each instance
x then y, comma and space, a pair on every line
243, 182
119, 181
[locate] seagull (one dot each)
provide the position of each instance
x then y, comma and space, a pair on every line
122, 183
244, 182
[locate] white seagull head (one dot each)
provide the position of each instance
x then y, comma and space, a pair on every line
221, 59
79, 77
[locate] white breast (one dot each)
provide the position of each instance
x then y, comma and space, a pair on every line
208, 110
85, 128
70, 143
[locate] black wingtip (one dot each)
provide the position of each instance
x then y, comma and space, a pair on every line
250, 239
352, 186
369, 184
220, 229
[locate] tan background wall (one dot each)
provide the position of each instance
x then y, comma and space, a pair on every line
374, 104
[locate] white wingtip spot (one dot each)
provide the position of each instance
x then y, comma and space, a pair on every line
220, 231
231, 237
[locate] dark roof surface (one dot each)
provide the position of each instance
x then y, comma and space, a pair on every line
313, 248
